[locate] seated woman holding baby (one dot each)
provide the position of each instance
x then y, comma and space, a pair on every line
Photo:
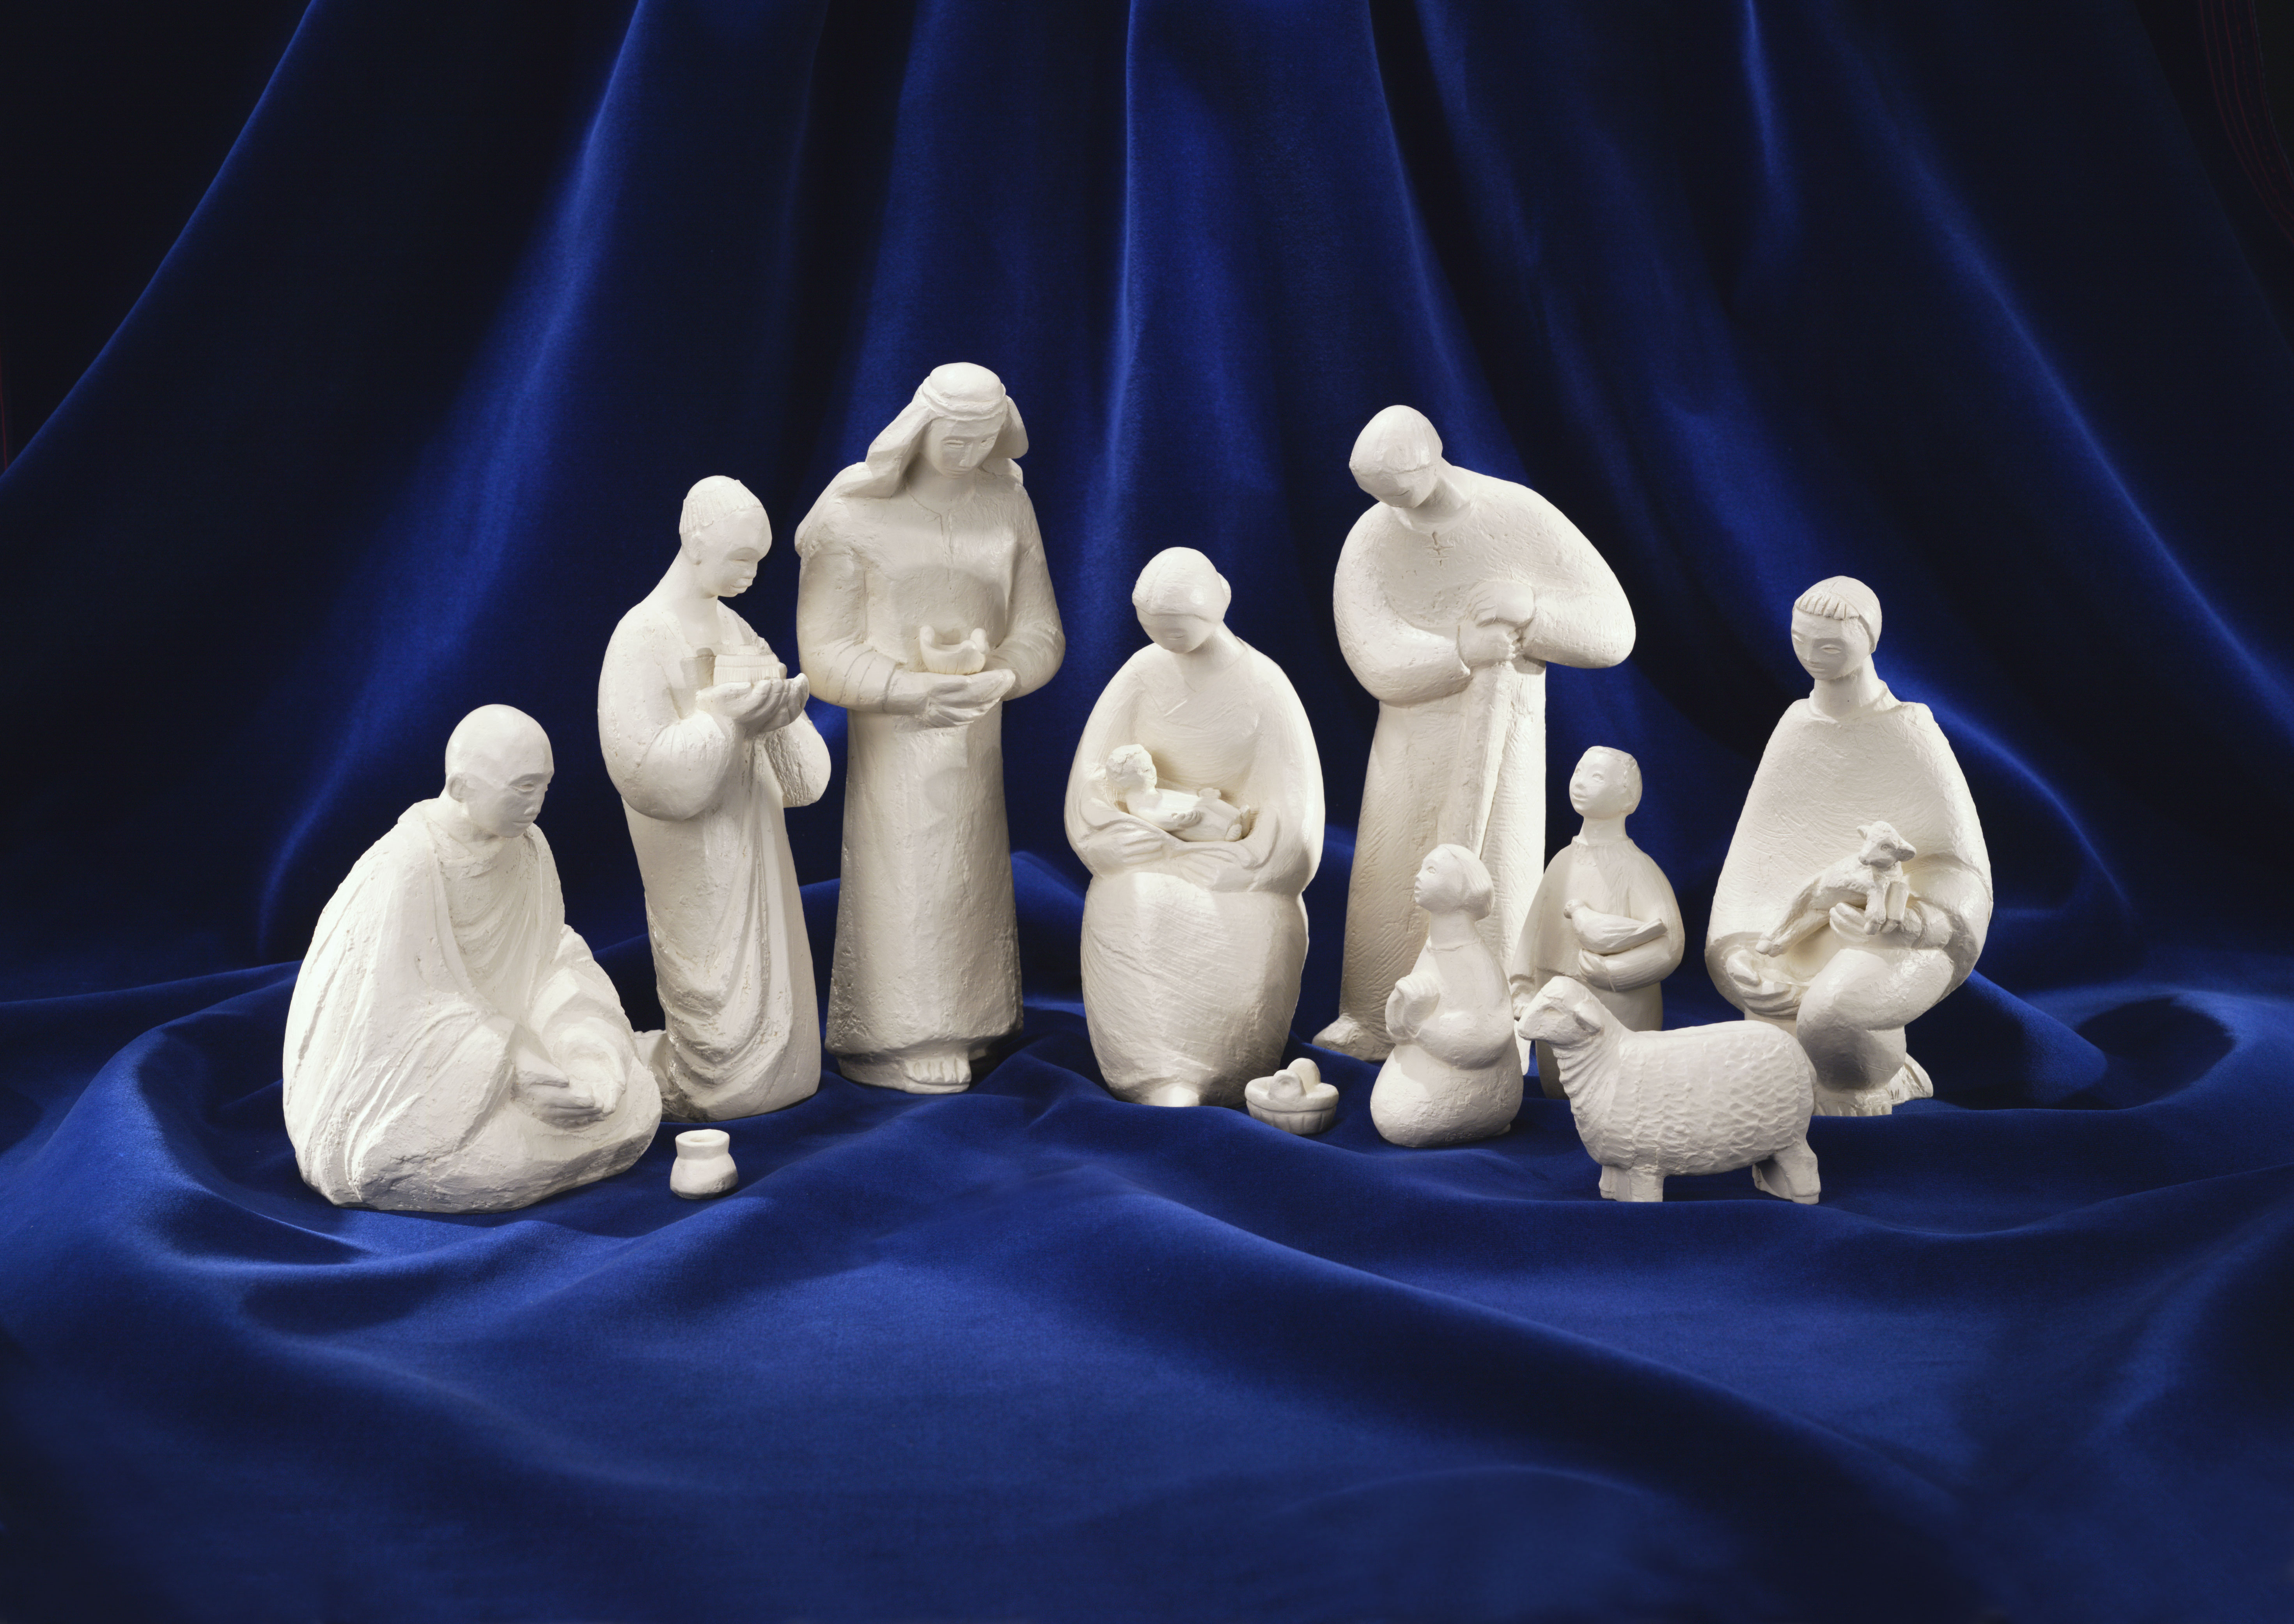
1193, 932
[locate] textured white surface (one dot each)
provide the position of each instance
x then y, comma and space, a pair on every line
1454, 1073
1701, 1099
1846, 758
1295, 1099
1192, 950
706, 737
929, 541
451, 1046
1453, 595
703, 1166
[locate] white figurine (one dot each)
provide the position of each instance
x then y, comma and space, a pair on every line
705, 737
1846, 757
1453, 595
1455, 1073
1649, 1105
1191, 815
703, 1166
1192, 948
1295, 1099
451, 1047
919, 561
1604, 913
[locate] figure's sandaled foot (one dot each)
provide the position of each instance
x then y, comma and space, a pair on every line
1348, 1036
939, 1072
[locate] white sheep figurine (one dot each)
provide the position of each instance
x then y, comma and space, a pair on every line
1700, 1100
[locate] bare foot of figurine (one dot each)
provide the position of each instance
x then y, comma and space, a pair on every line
1348, 1036
934, 1071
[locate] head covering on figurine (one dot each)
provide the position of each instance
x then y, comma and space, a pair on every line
959, 391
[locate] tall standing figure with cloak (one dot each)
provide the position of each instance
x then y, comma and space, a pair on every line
924, 605
1453, 596
1848, 754
1192, 948
705, 737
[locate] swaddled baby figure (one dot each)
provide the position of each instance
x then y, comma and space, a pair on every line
1874, 877
1190, 815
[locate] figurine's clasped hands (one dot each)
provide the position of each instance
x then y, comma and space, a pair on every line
1411, 1005
1495, 626
948, 702
568, 1097
756, 707
1913, 928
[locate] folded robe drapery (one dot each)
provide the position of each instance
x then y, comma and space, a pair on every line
399, 1059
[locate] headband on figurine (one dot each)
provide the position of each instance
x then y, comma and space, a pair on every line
960, 393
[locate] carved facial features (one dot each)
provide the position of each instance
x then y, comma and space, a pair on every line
725, 554
1829, 649
1554, 1015
1407, 488
502, 794
1602, 787
952, 446
1176, 629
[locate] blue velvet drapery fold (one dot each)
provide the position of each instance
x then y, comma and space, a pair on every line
1942, 296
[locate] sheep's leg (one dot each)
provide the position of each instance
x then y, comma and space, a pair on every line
1633, 1184
1790, 1172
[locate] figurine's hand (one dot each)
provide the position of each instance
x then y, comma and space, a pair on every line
756, 707
1482, 643
1593, 969
1131, 843
951, 702
594, 1068
1758, 990
558, 1100
1854, 924
1208, 867
1411, 1005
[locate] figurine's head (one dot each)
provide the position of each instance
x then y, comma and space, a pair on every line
498, 768
1130, 770
1883, 847
1397, 457
1606, 784
722, 533
1564, 1013
966, 415
1182, 599
1451, 880
1835, 626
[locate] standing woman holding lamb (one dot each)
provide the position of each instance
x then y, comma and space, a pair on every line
1192, 946
924, 605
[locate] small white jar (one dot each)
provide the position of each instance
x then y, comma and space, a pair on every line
705, 1163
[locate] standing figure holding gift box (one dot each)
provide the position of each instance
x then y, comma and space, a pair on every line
923, 606
705, 737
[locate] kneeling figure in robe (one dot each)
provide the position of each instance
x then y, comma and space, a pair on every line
452, 1046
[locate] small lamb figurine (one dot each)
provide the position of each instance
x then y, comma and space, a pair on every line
1295, 1099
1191, 814
1697, 1100
1872, 878
1455, 1074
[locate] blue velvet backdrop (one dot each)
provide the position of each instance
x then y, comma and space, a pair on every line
1940, 296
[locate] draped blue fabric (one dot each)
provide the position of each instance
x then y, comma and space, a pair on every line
1945, 297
